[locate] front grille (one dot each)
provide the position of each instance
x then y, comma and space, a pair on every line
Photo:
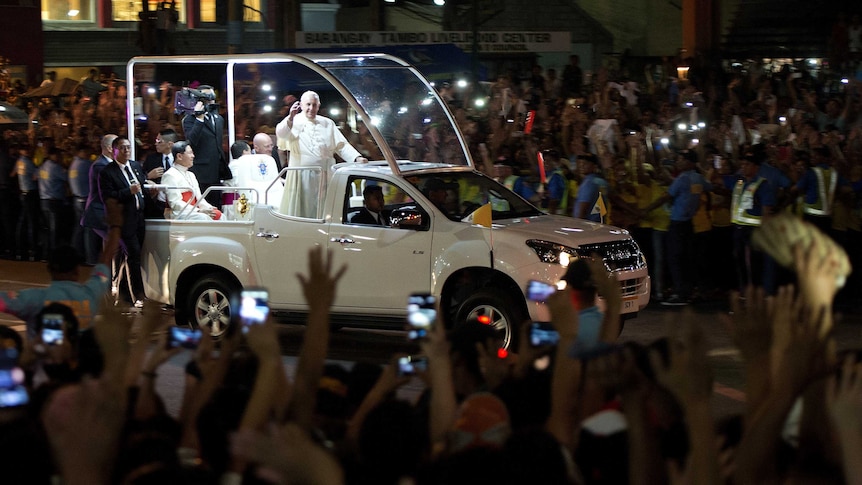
617, 255
631, 286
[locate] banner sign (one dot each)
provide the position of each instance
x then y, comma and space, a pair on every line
489, 42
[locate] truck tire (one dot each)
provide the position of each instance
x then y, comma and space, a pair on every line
504, 315
208, 305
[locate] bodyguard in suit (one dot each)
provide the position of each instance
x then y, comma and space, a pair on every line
205, 132
372, 213
155, 165
123, 180
93, 219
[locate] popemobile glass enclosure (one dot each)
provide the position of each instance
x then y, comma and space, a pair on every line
384, 107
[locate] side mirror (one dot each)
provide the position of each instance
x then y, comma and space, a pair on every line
408, 218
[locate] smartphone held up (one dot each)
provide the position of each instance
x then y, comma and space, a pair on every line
409, 365
252, 306
52, 329
421, 314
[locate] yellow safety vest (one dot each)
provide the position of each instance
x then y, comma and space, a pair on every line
825, 195
743, 201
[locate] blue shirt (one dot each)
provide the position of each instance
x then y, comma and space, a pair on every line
588, 192
808, 183
764, 196
776, 178
589, 330
52, 180
522, 187
557, 186
79, 177
685, 191
84, 299
26, 174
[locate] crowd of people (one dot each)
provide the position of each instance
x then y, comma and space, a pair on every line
689, 166
79, 402
652, 153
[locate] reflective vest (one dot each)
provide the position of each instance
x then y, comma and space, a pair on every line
825, 195
509, 182
743, 201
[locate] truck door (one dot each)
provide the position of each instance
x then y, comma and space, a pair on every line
385, 264
282, 239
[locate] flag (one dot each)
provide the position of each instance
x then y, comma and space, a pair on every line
600, 208
482, 216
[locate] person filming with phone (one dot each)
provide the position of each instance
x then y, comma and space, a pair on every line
587, 279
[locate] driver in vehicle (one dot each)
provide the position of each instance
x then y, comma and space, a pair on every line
372, 213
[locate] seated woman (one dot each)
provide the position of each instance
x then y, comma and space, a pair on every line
182, 201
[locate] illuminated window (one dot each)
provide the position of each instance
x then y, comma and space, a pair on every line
128, 10
208, 10
251, 10
71, 10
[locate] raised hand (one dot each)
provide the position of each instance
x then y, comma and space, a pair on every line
319, 286
687, 375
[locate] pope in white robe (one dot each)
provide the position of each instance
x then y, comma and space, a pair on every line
313, 141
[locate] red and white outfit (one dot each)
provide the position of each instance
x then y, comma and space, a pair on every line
182, 201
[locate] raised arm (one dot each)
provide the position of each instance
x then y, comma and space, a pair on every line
319, 288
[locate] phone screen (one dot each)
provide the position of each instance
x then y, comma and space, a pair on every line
52, 328
542, 334
186, 338
539, 291
421, 313
407, 366
253, 306
12, 390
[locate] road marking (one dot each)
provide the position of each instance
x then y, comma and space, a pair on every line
728, 392
24, 283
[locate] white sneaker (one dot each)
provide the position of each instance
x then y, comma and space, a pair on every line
139, 303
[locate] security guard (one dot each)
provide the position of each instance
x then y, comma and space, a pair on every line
818, 187
752, 200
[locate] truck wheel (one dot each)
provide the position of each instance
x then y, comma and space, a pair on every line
208, 305
503, 316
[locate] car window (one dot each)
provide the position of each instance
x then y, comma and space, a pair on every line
393, 197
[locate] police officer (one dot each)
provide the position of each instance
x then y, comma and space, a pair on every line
817, 188
752, 200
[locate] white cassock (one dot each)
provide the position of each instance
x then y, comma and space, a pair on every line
311, 143
179, 176
257, 171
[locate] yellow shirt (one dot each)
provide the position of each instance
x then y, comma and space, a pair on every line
701, 220
659, 217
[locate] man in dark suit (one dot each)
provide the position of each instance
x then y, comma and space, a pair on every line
122, 180
372, 213
155, 165
205, 132
93, 219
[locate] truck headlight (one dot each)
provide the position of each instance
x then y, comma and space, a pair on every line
553, 253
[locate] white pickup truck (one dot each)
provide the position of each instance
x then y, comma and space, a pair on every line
414, 144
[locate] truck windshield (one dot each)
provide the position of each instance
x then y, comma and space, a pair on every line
459, 194
406, 111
